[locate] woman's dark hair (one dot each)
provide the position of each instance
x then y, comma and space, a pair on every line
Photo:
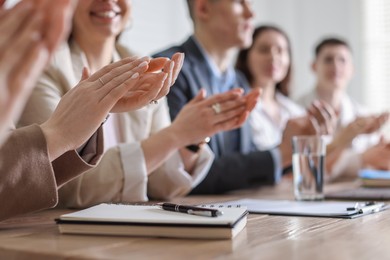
242, 59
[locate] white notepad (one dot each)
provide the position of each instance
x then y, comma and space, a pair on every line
134, 220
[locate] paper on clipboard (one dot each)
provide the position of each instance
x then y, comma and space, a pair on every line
334, 209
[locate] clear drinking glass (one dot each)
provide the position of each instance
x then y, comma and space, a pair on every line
308, 167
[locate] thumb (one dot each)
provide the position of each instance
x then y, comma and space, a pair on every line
85, 74
382, 140
199, 97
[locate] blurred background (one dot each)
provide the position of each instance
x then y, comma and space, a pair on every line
365, 24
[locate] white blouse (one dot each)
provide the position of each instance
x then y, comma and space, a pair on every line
266, 132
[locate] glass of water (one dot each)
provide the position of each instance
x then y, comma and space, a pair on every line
308, 167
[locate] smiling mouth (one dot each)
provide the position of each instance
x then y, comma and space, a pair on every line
106, 14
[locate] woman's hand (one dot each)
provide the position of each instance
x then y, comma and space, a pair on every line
361, 125
320, 120
153, 84
26, 44
83, 109
378, 156
322, 117
203, 117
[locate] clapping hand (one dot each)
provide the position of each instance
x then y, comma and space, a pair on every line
26, 44
83, 109
152, 85
203, 117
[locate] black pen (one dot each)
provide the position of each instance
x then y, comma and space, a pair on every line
191, 210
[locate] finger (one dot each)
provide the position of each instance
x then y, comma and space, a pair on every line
223, 97
321, 117
252, 98
157, 64
107, 73
235, 113
178, 58
232, 105
12, 20
241, 120
168, 81
23, 41
136, 98
314, 126
231, 124
125, 79
23, 77
327, 109
199, 97
60, 13
383, 118
85, 74
112, 96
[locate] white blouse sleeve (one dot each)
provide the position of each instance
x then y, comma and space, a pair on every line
171, 180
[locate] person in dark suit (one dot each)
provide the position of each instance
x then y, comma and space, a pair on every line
220, 28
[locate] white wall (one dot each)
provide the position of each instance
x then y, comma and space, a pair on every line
157, 24
161, 23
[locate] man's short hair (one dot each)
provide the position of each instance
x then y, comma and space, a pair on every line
330, 42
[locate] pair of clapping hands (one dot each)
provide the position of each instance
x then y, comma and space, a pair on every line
377, 156
319, 120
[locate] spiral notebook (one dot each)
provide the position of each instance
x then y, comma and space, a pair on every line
136, 220
331, 209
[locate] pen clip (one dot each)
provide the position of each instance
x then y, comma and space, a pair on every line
365, 208
200, 213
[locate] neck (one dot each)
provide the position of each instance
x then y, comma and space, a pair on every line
98, 53
332, 97
222, 56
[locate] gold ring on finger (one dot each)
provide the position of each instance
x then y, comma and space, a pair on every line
101, 81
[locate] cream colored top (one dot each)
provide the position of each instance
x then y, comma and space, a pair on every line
121, 175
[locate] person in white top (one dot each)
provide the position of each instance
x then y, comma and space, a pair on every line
145, 155
359, 143
267, 65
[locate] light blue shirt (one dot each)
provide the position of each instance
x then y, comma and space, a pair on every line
222, 82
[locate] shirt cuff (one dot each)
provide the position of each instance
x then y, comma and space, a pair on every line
203, 165
135, 173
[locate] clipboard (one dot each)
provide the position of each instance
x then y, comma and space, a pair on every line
360, 193
330, 209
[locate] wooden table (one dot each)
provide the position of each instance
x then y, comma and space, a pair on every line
36, 236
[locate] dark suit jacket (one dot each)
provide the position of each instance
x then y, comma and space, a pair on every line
242, 169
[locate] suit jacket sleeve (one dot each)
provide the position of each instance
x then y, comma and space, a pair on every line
27, 175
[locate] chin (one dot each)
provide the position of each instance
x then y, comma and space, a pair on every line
245, 43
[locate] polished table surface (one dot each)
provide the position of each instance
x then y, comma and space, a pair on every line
35, 236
